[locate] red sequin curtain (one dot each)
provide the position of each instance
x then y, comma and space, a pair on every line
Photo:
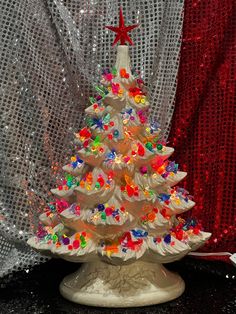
204, 122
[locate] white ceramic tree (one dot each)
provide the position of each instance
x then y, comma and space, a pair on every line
116, 209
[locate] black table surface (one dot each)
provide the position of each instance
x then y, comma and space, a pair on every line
210, 288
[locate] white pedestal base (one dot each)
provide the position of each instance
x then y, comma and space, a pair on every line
137, 284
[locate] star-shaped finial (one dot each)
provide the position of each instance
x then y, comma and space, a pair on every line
121, 31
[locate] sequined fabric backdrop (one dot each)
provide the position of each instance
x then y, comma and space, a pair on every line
204, 123
52, 53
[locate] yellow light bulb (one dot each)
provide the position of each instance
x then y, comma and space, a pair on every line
143, 100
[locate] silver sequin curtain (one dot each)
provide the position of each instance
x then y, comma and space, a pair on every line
52, 52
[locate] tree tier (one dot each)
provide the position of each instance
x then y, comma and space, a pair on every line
134, 192
129, 246
120, 212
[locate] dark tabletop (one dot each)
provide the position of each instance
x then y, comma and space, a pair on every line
210, 288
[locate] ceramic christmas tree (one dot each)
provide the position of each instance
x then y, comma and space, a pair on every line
116, 209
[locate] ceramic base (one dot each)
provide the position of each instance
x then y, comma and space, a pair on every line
138, 284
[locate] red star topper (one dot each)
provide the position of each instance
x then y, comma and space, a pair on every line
121, 31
